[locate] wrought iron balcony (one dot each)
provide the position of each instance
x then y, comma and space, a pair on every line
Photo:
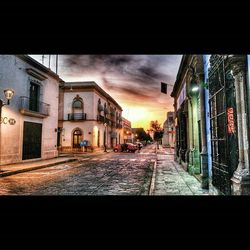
77, 116
118, 126
32, 107
101, 118
104, 119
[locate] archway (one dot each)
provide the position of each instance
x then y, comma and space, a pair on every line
77, 137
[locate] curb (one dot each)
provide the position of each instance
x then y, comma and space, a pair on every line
152, 183
34, 168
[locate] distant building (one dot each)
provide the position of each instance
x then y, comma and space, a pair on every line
28, 128
168, 138
127, 131
88, 113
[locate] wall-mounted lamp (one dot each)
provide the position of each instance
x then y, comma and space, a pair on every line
8, 95
195, 89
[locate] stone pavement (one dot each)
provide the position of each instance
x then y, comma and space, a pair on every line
16, 168
172, 179
11, 169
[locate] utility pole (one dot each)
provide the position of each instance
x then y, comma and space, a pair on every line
43, 59
56, 64
49, 61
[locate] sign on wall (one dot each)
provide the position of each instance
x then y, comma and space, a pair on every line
230, 121
182, 96
6, 120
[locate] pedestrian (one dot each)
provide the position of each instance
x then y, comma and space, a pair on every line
139, 147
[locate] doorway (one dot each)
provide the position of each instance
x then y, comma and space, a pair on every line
77, 137
32, 140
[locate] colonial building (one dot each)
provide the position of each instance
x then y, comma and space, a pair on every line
126, 131
88, 113
212, 116
28, 128
192, 118
229, 118
168, 139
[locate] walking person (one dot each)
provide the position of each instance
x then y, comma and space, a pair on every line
139, 147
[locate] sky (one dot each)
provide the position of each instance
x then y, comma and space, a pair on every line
134, 81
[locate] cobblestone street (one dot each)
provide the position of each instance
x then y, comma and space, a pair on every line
108, 174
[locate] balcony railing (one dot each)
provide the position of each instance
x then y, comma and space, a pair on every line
118, 126
77, 116
33, 107
100, 118
104, 119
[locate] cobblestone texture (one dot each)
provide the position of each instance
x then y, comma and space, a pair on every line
110, 174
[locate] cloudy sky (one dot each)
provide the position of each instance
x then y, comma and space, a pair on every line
132, 80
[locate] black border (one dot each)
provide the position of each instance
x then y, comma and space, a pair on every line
129, 28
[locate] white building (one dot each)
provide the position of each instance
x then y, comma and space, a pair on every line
168, 138
28, 128
88, 113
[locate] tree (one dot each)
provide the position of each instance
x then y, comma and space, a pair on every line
158, 131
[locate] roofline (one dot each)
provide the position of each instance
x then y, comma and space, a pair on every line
39, 66
93, 85
179, 75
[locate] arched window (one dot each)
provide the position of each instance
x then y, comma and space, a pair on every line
77, 103
77, 109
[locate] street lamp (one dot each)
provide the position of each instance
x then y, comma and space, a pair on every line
8, 95
105, 148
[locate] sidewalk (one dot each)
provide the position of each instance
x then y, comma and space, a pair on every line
172, 179
16, 168
11, 169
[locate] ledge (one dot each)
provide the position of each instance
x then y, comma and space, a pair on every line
36, 74
32, 113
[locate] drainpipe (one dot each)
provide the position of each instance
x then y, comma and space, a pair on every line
192, 125
203, 154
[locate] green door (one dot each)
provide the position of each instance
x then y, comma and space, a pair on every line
32, 140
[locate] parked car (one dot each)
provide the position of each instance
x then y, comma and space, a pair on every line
126, 147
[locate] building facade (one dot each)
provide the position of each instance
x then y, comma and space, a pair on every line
126, 131
28, 128
168, 139
229, 118
212, 109
88, 113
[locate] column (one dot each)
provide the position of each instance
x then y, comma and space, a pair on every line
241, 177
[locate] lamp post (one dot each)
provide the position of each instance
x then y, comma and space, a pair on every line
105, 147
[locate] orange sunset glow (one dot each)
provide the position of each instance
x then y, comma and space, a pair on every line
132, 80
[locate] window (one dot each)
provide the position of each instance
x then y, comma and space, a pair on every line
34, 97
77, 103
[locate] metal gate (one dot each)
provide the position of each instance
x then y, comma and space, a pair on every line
223, 123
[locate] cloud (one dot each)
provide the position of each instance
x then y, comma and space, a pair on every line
132, 80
